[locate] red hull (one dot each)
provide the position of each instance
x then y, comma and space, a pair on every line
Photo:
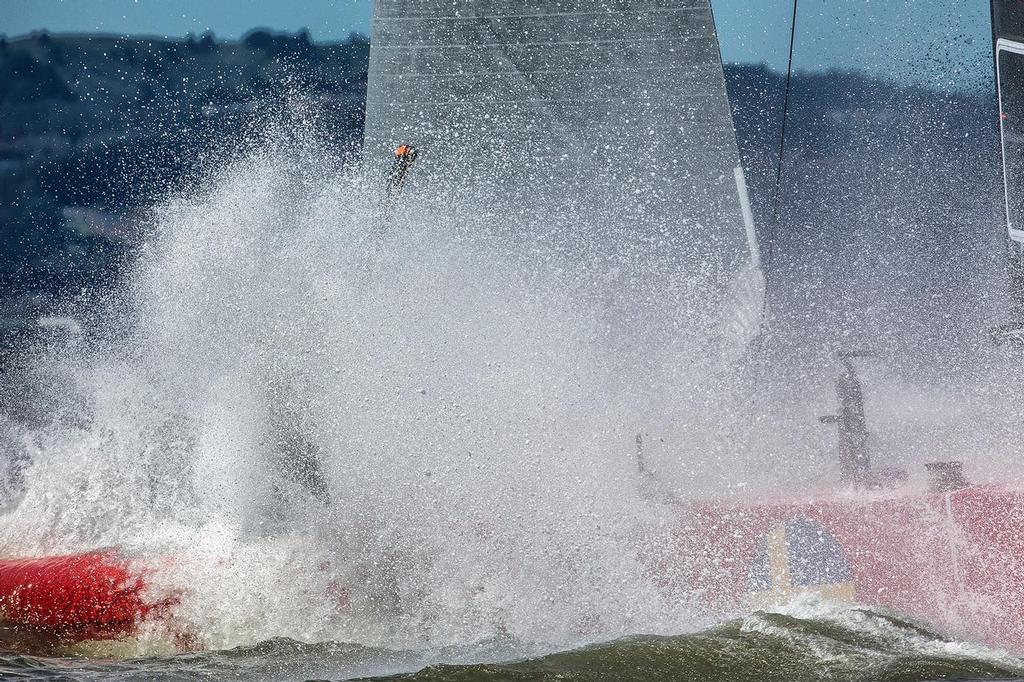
952, 559
77, 597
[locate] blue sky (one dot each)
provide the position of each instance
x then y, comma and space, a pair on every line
325, 19
936, 42
942, 43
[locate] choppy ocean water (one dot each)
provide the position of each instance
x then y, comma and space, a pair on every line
835, 643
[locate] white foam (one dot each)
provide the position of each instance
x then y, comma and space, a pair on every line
473, 401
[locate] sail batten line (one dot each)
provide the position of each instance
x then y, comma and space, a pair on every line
557, 101
450, 74
409, 46
455, 17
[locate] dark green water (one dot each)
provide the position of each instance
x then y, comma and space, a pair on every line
763, 647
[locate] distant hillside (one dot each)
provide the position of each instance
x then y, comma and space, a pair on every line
91, 125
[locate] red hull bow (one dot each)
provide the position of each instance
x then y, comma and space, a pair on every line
76, 597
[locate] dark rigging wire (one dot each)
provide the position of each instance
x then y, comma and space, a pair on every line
782, 147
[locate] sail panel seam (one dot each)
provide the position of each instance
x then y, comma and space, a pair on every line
410, 46
452, 17
463, 74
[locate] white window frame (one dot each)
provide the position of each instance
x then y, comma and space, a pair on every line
1004, 45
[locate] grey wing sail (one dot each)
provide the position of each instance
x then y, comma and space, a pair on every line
609, 114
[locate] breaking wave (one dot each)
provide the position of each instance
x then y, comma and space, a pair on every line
807, 640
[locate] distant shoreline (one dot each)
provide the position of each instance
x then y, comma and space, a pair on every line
147, 37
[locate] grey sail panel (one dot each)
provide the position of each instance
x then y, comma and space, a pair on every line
611, 114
